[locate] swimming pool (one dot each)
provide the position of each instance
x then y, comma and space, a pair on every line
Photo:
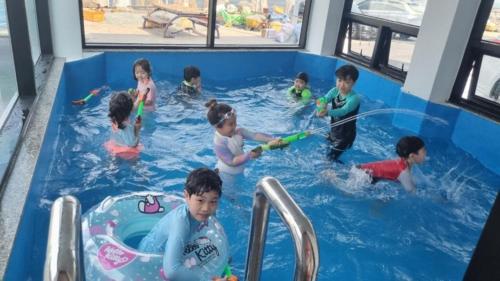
364, 232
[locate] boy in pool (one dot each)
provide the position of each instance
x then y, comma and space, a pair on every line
345, 104
411, 150
192, 81
300, 90
171, 234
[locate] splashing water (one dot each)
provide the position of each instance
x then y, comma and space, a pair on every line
437, 120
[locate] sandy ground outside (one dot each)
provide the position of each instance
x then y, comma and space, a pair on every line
126, 27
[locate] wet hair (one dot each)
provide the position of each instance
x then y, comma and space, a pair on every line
408, 145
120, 106
347, 71
191, 72
216, 112
302, 76
144, 64
203, 180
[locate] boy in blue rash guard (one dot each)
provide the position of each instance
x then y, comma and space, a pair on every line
171, 234
192, 81
345, 104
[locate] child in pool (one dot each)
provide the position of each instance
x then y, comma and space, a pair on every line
228, 139
192, 81
345, 103
300, 90
411, 150
142, 73
124, 135
171, 234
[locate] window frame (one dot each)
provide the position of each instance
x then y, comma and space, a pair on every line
476, 49
380, 57
210, 38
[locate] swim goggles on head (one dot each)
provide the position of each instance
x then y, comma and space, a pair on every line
226, 116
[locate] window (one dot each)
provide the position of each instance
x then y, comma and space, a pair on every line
401, 51
198, 23
381, 34
8, 82
477, 86
398, 11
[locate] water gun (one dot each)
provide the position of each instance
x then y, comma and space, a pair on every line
140, 107
92, 93
228, 274
321, 104
132, 92
284, 141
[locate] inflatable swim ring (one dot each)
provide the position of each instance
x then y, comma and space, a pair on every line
108, 226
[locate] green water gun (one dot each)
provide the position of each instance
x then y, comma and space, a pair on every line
92, 93
284, 141
228, 274
140, 107
321, 104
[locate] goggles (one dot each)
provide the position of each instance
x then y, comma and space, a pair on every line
226, 116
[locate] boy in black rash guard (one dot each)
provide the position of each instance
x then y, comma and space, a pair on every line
345, 103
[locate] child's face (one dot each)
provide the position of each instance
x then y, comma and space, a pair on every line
344, 85
202, 206
140, 74
419, 157
299, 84
229, 126
196, 81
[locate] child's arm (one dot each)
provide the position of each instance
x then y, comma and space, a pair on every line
223, 153
406, 180
150, 98
137, 130
351, 104
173, 263
247, 134
322, 103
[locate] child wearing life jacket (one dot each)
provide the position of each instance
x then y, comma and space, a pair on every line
300, 90
411, 150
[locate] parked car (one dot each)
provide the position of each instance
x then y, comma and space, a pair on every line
385, 9
393, 10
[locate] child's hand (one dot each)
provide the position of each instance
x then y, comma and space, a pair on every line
137, 125
132, 93
219, 279
321, 113
78, 102
256, 152
277, 143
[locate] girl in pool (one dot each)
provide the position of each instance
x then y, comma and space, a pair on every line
228, 139
124, 136
142, 73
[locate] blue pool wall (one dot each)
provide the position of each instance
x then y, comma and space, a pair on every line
474, 134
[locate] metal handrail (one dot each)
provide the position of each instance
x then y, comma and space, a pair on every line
268, 192
62, 261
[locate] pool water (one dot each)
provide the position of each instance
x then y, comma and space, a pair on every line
365, 232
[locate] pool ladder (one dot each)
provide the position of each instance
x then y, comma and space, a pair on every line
62, 259
269, 191
63, 262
